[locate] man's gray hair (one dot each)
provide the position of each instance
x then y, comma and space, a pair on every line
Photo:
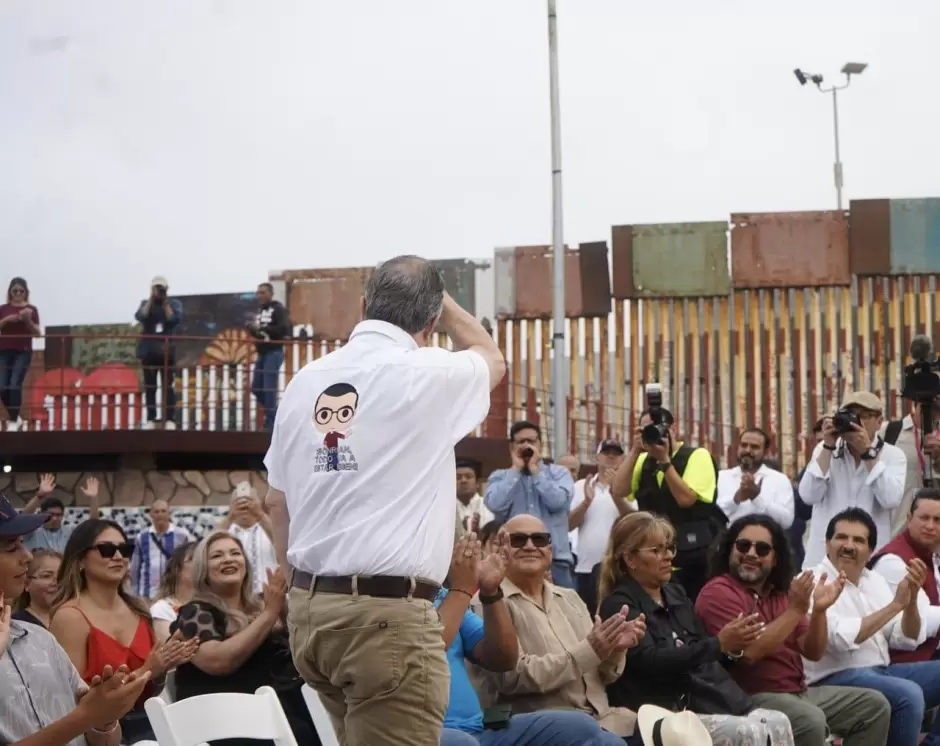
406, 291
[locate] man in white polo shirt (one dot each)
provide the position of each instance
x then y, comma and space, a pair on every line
362, 481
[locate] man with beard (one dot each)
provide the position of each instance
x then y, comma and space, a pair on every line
919, 540
752, 487
867, 621
751, 573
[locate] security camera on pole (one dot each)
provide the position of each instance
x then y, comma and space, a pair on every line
849, 69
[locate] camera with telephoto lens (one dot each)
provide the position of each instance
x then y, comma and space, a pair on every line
844, 421
657, 432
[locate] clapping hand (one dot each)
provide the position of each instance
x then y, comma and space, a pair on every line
169, 654
633, 631
492, 569
464, 572
6, 617
826, 594
111, 695
274, 592
801, 592
906, 594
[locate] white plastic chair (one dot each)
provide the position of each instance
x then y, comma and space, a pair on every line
321, 718
209, 717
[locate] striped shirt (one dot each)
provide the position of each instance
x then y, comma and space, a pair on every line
34, 700
151, 553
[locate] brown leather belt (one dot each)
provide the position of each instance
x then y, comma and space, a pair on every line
381, 586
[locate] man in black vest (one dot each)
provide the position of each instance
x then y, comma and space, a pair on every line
679, 482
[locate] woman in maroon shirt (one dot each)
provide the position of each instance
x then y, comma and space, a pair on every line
19, 323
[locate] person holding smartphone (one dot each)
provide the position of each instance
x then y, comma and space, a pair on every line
533, 487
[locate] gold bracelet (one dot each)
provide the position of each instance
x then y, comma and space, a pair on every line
461, 590
110, 730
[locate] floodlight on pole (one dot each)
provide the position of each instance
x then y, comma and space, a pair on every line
848, 69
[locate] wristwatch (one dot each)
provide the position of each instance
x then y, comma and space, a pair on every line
663, 466
495, 598
870, 454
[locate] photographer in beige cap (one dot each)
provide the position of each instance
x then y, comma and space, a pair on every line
852, 467
159, 316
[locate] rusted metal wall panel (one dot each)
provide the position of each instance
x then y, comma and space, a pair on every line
534, 283
504, 275
776, 358
327, 299
680, 260
595, 279
459, 281
870, 237
789, 249
622, 262
915, 236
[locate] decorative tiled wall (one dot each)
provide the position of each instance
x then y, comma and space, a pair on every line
198, 499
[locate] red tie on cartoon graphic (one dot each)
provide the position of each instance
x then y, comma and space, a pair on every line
332, 416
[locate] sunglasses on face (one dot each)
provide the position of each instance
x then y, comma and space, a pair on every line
539, 540
108, 549
761, 548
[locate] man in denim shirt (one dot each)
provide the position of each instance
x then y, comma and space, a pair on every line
533, 487
159, 317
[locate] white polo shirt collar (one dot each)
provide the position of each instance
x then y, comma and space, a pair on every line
395, 333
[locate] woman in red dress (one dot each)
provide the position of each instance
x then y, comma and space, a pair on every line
100, 623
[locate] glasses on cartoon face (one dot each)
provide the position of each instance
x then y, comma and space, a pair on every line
342, 414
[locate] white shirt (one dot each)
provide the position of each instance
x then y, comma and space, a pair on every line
893, 569
844, 619
465, 512
847, 485
388, 509
594, 531
775, 498
259, 553
163, 611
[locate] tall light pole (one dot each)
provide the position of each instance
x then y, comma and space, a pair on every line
559, 391
849, 69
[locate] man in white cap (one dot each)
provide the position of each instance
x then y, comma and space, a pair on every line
852, 467
159, 317
362, 481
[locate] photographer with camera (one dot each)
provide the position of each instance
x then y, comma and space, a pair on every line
159, 317
852, 467
532, 487
663, 475
906, 435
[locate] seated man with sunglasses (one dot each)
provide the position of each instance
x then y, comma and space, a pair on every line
751, 573
565, 660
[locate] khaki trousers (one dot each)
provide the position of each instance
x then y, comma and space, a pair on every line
378, 664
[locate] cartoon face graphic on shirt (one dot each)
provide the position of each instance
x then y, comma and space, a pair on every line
334, 411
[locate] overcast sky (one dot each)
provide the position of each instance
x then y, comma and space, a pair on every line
213, 141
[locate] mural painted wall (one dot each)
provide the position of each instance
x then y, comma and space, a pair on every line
198, 499
102, 358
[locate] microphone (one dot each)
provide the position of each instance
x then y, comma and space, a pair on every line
922, 348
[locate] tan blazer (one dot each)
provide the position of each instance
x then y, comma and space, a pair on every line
557, 669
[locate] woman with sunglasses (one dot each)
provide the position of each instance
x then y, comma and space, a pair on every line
99, 623
677, 665
35, 605
19, 323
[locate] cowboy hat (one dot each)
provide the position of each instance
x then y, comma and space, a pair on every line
660, 727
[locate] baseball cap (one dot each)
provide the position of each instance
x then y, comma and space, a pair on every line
610, 445
13, 524
161, 281
865, 400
